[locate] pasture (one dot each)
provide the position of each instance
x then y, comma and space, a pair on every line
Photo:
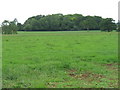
73, 59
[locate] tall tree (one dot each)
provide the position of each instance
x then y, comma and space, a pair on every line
9, 27
108, 25
5, 27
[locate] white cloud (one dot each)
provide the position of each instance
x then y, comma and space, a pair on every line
22, 9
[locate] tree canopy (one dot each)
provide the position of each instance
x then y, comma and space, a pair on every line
9, 27
60, 22
68, 22
107, 24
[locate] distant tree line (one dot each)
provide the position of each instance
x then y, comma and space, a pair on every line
60, 22
68, 22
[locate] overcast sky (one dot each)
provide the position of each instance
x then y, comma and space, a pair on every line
23, 9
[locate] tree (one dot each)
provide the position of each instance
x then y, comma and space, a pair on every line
97, 19
89, 23
107, 25
9, 27
13, 27
118, 26
5, 27
68, 22
20, 26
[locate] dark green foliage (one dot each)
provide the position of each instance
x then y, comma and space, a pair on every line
20, 26
9, 27
62, 22
118, 26
107, 25
90, 23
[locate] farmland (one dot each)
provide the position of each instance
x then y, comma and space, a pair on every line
73, 59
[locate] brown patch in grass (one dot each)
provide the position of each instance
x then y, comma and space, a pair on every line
72, 75
72, 72
111, 66
114, 85
67, 85
88, 76
52, 84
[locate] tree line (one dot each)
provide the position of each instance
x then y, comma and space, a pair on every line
68, 22
60, 22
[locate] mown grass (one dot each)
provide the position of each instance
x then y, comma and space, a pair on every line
60, 60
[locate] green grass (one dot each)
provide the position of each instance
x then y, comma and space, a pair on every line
60, 60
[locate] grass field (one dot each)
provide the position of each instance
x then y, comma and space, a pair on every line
60, 60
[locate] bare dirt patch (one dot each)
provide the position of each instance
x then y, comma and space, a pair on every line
88, 76
111, 66
52, 84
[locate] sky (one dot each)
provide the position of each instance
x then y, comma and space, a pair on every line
23, 9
